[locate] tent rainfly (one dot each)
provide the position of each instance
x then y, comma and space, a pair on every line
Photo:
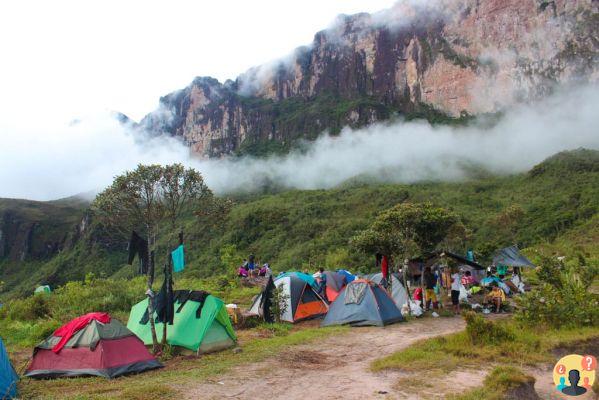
200, 324
42, 289
511, 257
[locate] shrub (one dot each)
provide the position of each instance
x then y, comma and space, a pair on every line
481, 331
562, 298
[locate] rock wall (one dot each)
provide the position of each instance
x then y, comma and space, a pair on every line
450, 57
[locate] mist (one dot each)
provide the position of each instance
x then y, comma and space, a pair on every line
46, 163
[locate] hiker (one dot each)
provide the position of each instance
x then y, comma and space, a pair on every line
318, 274
517, 280
495, 297
456, 283
430, 281
251, 264
265, 270
322, 290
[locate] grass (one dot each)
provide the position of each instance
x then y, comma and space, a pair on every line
500, 380
526, 346
179, 372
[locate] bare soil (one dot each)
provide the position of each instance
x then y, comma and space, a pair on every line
339, 368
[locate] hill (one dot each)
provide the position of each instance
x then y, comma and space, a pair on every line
553, 207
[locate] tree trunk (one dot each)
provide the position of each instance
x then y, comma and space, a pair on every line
150, 293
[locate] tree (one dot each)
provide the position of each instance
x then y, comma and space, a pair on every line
509, 221
408, 230
146, 198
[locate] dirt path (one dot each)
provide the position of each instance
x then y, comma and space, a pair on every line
335, 368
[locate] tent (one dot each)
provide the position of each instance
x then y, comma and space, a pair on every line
201, 323
511, 257
336, 281
362, 303
309, 279
42, 289
301, 301
101, 349
398, 291
8, 376
349, 277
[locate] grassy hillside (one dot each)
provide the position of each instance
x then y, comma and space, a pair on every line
554, 207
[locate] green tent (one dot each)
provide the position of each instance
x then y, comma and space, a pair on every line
203, 331
43, 289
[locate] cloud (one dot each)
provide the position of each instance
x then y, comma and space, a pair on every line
53, 163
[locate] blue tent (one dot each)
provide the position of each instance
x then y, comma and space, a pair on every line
8, 376
309, 279
511, 257
362, 303
349, 277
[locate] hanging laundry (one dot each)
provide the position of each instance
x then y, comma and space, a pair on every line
178, 256
138, 247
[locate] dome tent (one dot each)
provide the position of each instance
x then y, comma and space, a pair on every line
362, 303
8, 376
98, 349
336, 281
398, 291
200, 324
301, 301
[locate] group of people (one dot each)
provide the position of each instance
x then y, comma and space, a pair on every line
461, 284
251, 268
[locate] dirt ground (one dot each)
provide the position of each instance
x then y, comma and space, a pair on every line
338, 368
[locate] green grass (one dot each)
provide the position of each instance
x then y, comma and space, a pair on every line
500, 380
448, 353
179, 372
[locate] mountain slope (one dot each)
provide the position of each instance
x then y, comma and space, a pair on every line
442, 61
557, 208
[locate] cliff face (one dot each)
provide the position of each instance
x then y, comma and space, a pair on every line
452, 58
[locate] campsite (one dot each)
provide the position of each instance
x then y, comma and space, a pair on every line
341, 199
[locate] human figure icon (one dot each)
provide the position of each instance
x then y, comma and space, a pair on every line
586, 384
574, 389
562, 384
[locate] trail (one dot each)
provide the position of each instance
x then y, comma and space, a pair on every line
337, 368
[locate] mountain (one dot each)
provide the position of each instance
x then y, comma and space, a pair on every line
557, 205
443, 61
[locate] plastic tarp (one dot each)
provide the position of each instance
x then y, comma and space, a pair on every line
8, 376
511, 257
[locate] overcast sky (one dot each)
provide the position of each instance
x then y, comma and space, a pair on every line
64, 59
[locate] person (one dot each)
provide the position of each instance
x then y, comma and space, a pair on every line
467, 279
456, 282
318, 274
574, 389
242, 272
501, 270
418, 296
496, 296
430, 281
517, 280
265, 270
252, 264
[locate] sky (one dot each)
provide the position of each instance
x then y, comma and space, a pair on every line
67, 59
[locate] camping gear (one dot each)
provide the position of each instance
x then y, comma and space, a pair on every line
363, 302
300, 300
178, 256
8, 376
511, 257
101, 349
385, 267
349, 277
66, 332
201, 323
493, 279
335, 284
42, 289
309, 279
398, 292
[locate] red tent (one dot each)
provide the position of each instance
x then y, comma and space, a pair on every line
98, 348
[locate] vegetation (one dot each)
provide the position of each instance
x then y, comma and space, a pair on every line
500, 381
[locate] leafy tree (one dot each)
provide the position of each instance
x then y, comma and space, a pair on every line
408, 230
146, 198
508, 222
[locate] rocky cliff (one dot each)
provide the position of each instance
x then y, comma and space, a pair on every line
442, 61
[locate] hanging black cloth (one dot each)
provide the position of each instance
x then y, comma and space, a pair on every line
164, 305
266, 300
199, 296
138, 246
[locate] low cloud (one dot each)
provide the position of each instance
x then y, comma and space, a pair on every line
53, 163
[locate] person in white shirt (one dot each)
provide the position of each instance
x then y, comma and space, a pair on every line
456, 282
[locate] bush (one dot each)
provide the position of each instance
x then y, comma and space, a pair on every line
562, 298
29, 309
483, 332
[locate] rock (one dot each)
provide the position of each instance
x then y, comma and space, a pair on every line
237, 350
